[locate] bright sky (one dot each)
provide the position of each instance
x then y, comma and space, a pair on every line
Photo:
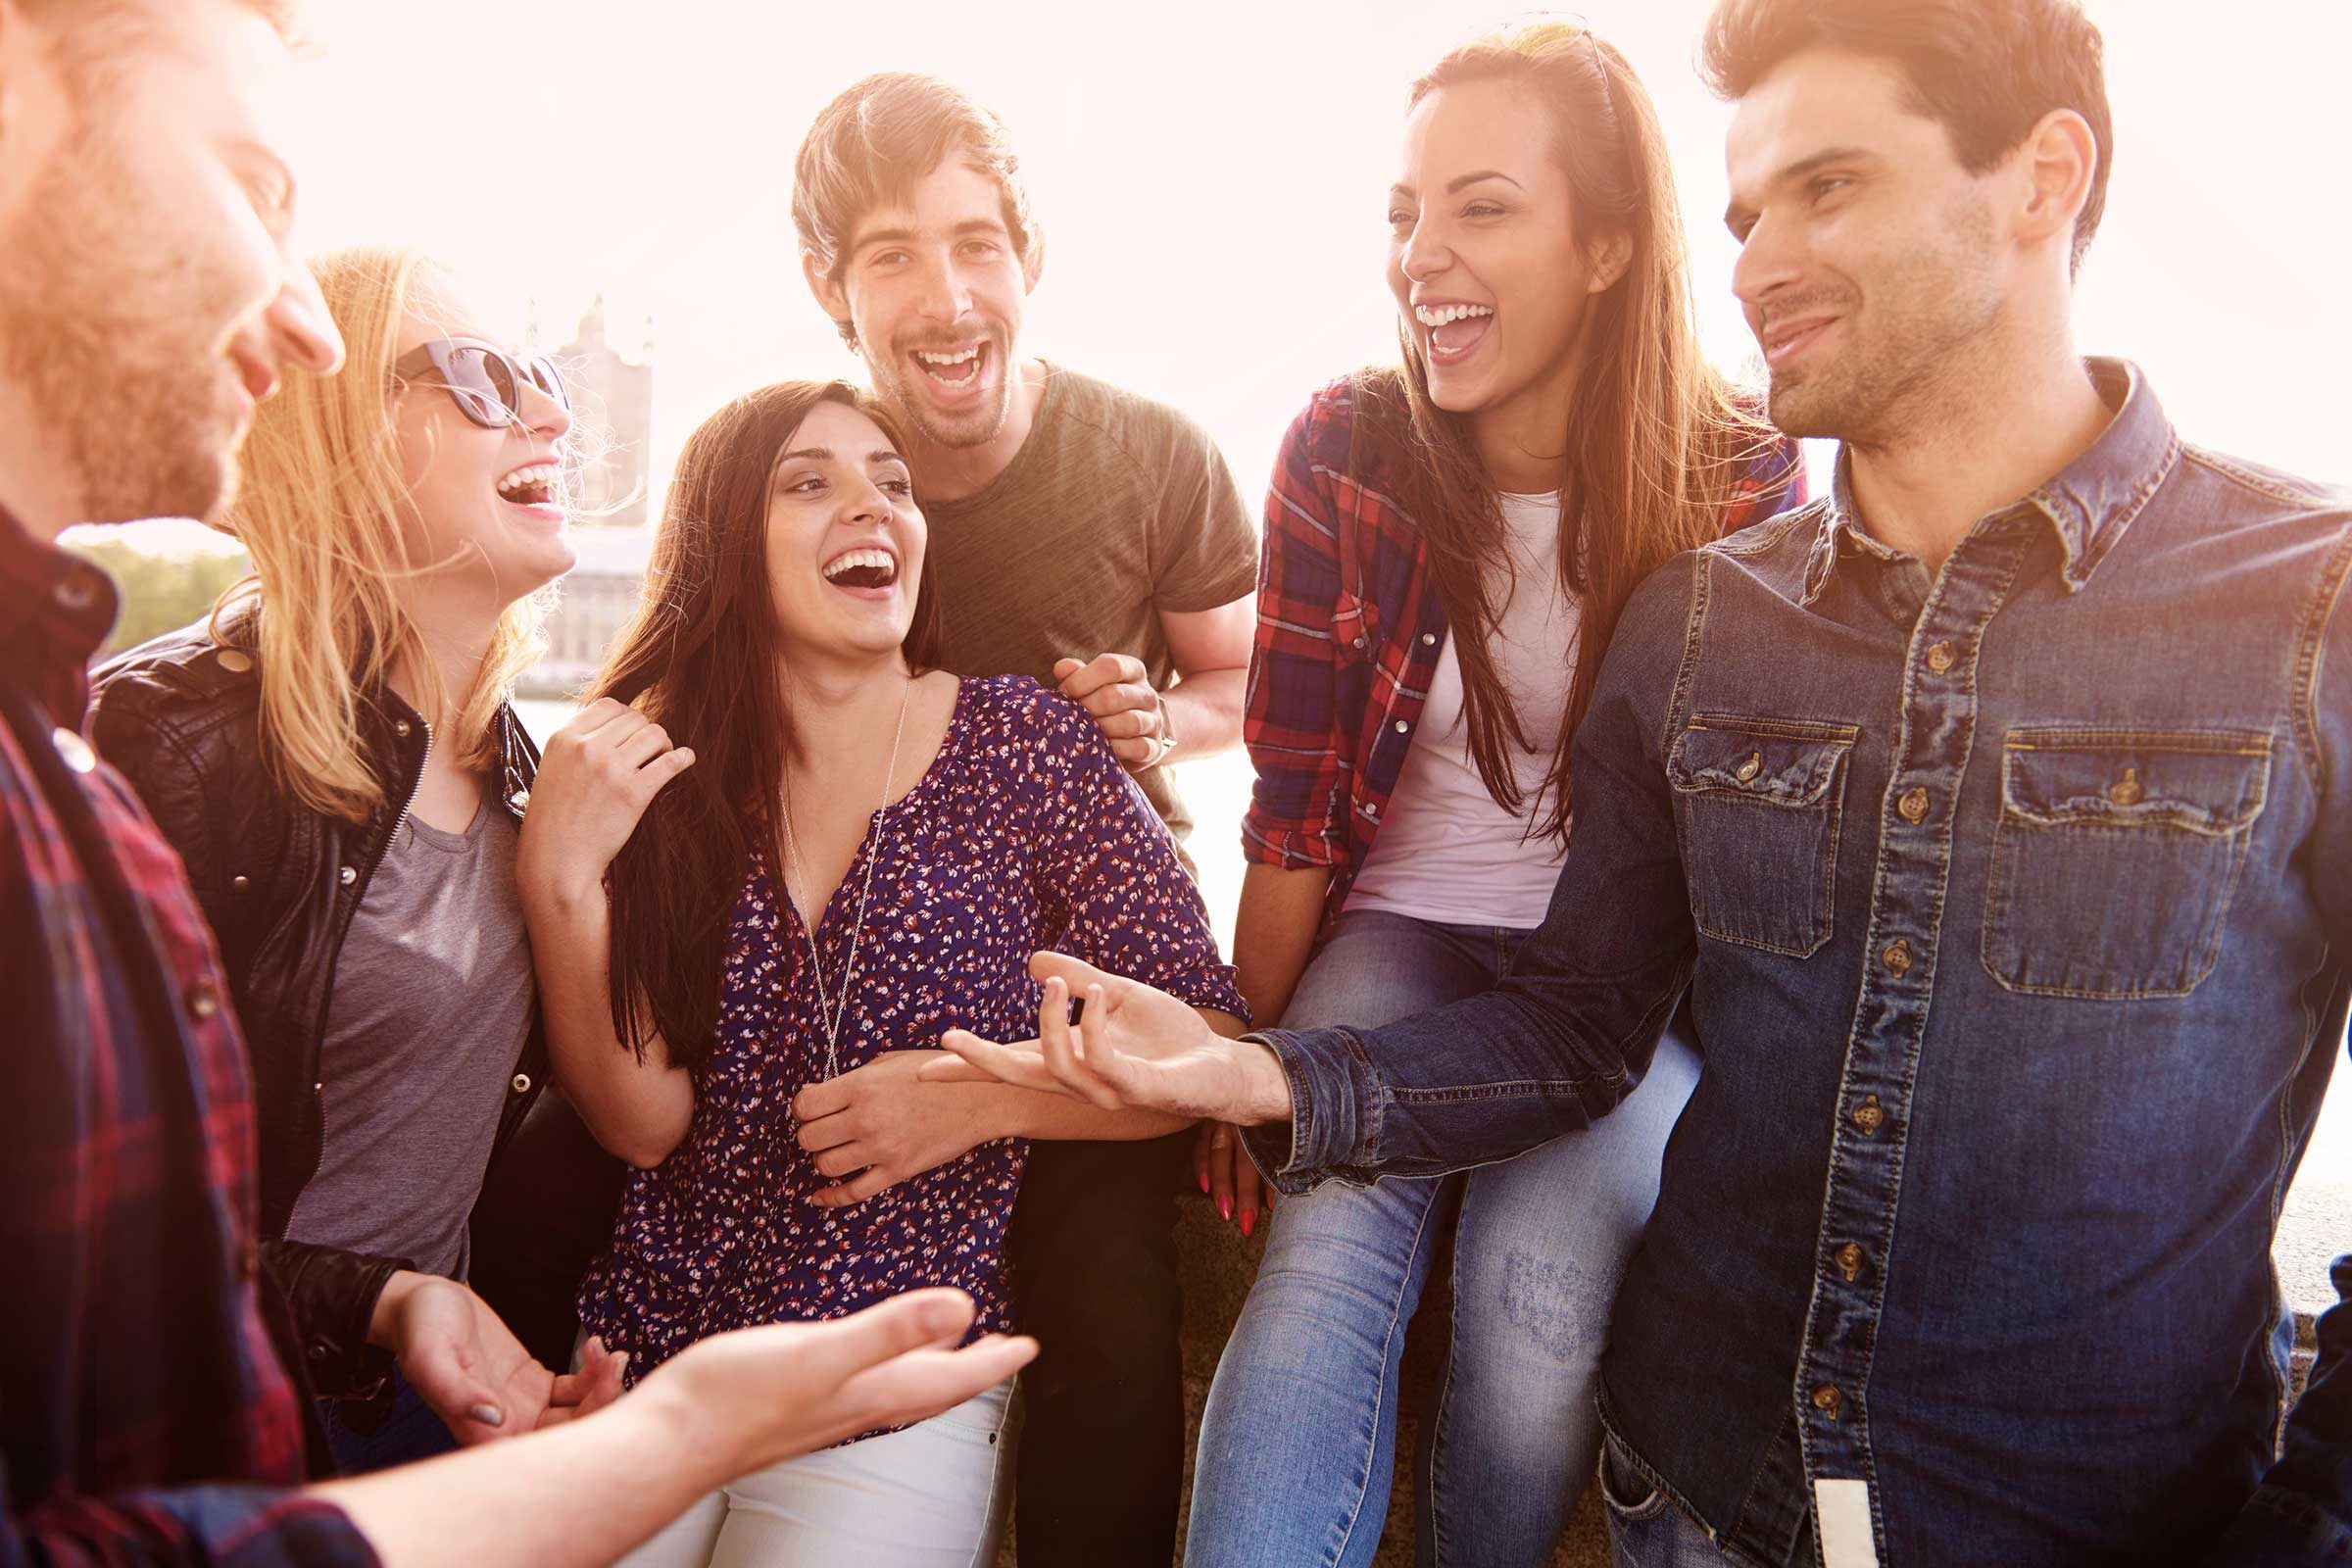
1211, 179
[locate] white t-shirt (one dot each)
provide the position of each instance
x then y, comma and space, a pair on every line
1445, 852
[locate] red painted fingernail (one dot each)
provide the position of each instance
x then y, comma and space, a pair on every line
1225, 1206
1249, 1220
1204, 1181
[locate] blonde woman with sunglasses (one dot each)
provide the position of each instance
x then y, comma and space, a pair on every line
334, 756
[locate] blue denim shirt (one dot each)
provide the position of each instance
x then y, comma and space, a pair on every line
2013, 904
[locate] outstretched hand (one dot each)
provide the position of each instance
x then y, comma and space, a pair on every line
1134, 1048
782, 1390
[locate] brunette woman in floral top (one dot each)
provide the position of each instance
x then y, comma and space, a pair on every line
769, 740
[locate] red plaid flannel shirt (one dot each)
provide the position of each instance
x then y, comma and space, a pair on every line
137, 1365
1349, 627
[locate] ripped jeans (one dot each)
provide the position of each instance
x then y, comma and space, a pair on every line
1298, 1444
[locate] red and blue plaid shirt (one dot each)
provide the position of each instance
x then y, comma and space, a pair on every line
145, 1413
1349, 627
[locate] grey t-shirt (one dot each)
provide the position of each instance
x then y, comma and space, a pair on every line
432, 1000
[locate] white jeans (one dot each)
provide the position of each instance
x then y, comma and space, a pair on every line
931, 1497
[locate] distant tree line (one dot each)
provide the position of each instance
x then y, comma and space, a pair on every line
161, 591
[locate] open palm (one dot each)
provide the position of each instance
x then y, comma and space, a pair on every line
1134, 1046
476, 1376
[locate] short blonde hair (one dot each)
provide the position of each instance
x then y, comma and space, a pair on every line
320, 510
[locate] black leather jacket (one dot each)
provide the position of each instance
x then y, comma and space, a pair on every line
179, 716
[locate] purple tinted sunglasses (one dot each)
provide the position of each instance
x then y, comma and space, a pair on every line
485, 382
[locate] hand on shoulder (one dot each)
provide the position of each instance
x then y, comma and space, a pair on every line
1117, 694
600, 773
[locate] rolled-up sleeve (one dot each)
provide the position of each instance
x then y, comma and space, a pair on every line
1296, 818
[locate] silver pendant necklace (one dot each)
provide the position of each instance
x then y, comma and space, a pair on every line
831, 1013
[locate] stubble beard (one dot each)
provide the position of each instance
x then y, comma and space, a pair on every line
975, 427
101, 336
1913, 354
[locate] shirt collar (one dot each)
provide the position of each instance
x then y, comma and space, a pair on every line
2088, 504
55, 611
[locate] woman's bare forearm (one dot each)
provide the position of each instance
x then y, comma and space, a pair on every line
1274, 935
639, 1110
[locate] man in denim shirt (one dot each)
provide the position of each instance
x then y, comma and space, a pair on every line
1996, 814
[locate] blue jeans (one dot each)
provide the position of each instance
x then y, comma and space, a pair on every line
409, 1432
1298, 1444
1647, 1531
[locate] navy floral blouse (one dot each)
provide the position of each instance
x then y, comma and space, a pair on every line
1025, 834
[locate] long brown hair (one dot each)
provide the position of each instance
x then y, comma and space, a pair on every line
701, 658
1659, 441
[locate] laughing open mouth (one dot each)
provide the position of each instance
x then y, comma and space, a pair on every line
862, 568
534, 486
1454, 329
954, 368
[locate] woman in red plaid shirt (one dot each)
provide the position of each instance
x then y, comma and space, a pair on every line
1552, 436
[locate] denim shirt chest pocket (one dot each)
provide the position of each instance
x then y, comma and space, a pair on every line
1757, 808
2116, 855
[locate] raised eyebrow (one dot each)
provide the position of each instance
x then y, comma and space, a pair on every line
1460, 181
806, 455
889, 455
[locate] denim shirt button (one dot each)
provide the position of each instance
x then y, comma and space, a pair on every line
1826, 1400
1939, 658
1914, 807
1868, 1117
1849, 1261
1897, 958
2126, 791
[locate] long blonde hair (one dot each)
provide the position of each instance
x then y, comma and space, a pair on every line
321, 511
1659, 440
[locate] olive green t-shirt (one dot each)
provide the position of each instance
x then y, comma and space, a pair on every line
1116, 507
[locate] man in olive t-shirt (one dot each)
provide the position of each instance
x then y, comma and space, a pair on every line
1114, 514
1091, 539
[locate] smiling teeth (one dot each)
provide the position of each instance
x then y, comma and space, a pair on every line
928, 358
1448, 314
880, 559
1451, 312
538, 476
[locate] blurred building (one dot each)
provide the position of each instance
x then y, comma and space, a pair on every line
598, 598
613, 404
